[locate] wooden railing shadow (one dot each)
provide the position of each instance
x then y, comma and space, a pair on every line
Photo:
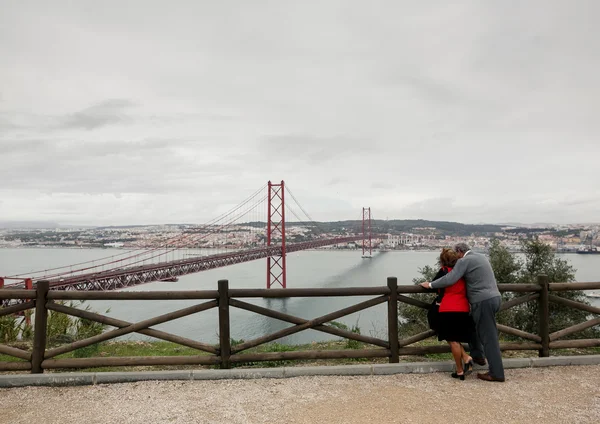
224, 354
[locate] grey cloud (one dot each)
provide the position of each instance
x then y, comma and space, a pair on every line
471, 111
99, 116
433, 90
450, 208
314, 149
112, 111
336, 181
178, 118
22, 146
439, 205
73, 166
595, 200
6, 125
382, 186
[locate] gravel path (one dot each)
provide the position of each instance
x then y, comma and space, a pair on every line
548, 395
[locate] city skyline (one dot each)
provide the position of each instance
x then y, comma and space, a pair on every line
12, 224
478, 112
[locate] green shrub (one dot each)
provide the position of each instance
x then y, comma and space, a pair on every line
350, 344
10, 327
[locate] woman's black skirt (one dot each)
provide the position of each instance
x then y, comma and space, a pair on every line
455, 326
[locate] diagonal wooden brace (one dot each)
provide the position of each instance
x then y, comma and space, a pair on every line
297, 320
142, 325
310, 324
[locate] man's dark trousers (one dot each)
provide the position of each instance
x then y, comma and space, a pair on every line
484, 315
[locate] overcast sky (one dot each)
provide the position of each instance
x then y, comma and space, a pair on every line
132, 112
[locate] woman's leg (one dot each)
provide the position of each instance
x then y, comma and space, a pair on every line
467, 360
457, 350
465, 356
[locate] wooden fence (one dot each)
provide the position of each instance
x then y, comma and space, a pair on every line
224, 354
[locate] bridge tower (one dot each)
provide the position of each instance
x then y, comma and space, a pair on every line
276, 234
366, 232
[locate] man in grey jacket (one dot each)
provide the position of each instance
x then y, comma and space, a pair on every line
485, 300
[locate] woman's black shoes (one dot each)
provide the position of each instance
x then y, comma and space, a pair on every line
468, 367
460, 376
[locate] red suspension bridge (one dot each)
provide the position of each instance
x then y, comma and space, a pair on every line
240, 232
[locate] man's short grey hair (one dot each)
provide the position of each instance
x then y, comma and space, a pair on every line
462, 248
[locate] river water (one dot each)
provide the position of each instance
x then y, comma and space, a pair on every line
323, 268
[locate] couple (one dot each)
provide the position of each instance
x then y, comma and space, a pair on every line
469, 302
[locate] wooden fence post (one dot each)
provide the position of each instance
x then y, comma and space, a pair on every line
224, 328
544, 316
41, 323
392, 283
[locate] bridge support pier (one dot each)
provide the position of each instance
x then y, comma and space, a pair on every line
367, 251
276, 269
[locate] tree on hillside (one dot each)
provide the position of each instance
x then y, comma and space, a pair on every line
413, 319
539, 258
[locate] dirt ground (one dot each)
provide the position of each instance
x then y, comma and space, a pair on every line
548, 395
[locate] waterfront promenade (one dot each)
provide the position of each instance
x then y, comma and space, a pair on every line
548, 395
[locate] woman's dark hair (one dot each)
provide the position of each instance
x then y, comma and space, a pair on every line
448, 257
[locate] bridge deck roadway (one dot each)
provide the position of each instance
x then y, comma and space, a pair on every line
118, 277
543, 395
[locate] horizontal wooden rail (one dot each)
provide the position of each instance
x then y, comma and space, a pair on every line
310, 292
132, 295
129, 361
17, 294
412, 289
573, 286
311, 354
575, 344
519, 288
15, 366
445, 348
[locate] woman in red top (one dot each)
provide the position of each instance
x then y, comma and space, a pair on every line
454, 323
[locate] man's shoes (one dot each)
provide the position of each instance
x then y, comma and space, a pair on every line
487, 377
479, 361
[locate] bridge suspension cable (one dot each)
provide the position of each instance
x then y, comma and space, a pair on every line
219, 228
310, 220
130, 254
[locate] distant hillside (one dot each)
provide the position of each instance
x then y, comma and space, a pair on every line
445, 227
411, 226
419, 226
